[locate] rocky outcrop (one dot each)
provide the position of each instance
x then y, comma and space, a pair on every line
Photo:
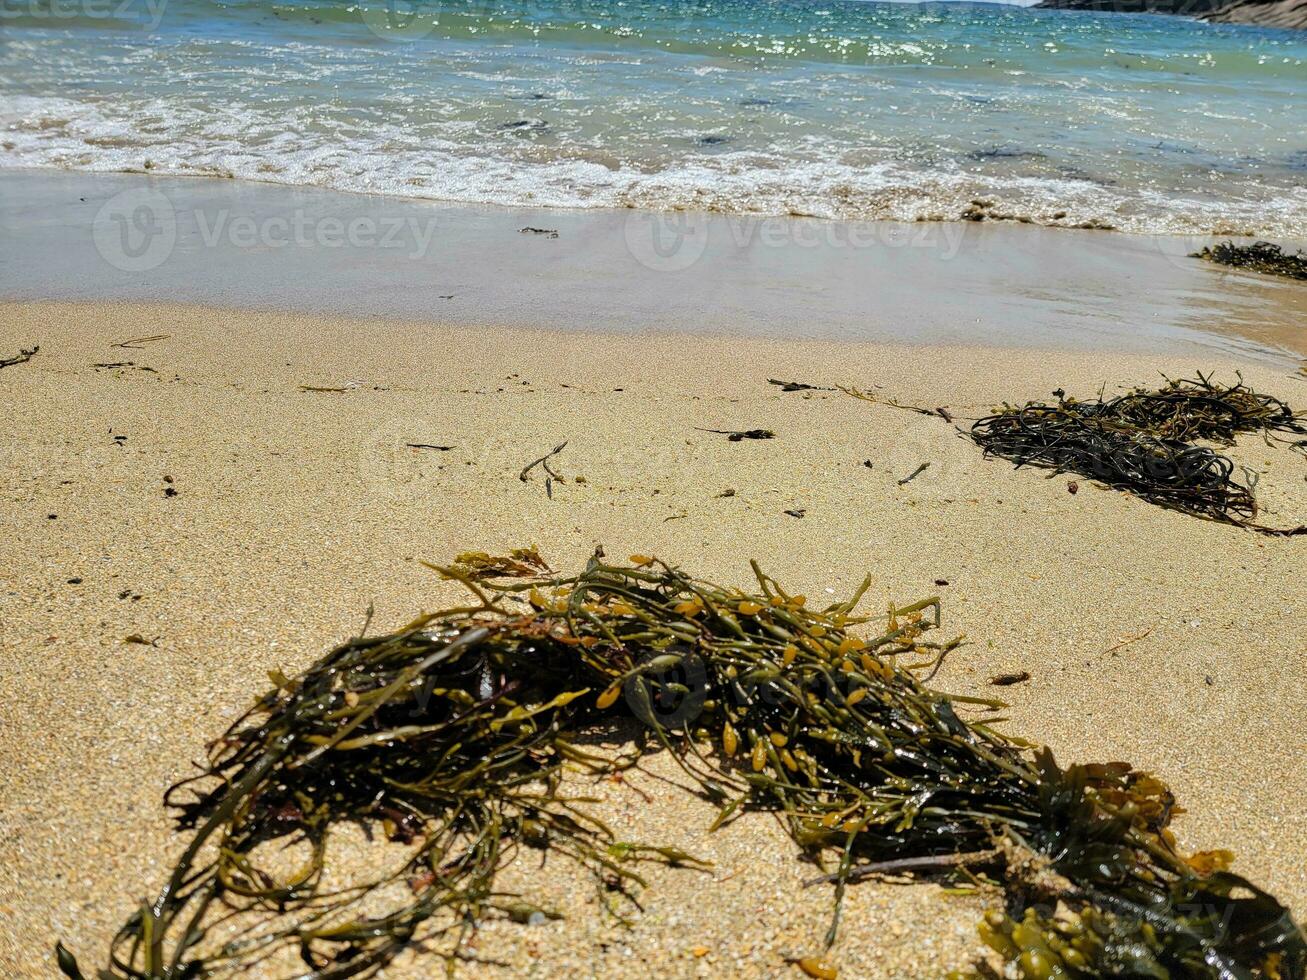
1190, 8
1290, 14
1262, 13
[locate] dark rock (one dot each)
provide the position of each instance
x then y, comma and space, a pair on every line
1291, 14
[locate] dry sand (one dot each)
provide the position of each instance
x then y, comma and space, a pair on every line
295, 510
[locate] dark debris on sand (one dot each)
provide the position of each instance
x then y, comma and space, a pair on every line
1259, 257
1144, 442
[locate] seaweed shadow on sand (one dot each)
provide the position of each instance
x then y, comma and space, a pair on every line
452, 736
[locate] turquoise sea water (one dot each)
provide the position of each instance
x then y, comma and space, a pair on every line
833, 109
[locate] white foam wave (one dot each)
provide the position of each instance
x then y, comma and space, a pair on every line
169, 137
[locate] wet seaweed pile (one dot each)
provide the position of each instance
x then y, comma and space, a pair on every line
1145, 442
451, 737
1258, 257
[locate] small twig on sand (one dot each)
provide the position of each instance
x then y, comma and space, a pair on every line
948, 648
135, 343
1126, 642
543, 461
796, 386
914, 474
899, 865
428, 445
737, 436
940, 411
22, 357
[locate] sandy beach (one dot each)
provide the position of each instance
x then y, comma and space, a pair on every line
1150, 636
710, 315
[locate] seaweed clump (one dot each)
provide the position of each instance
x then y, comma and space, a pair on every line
1144, 442
452, 736
1263, 257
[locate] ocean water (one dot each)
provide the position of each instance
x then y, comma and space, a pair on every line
825, 108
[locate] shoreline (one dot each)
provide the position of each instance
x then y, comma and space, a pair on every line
269, 247
296, 509
972, 210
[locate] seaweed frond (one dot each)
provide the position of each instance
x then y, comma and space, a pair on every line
451, 736
1264, 257
1144, 442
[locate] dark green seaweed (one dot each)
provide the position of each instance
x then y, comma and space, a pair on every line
450, 738
1144, 442
1264, 257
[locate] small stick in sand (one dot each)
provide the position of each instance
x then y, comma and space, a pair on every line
796, 386
733, 435
941, 411
135, 343
22, 357
1126, 642
899, 865
543, 461
914, 474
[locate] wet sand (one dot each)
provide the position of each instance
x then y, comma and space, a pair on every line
294, 510
80, 236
